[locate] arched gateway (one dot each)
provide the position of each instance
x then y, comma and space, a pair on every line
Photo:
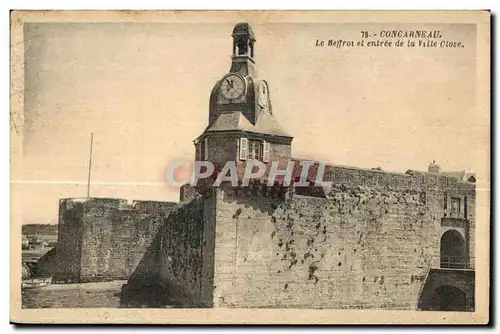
453, 250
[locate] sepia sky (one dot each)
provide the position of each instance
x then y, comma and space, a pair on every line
143, 90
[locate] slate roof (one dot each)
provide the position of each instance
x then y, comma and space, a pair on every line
236, 121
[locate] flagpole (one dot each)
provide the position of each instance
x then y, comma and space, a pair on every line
90, 164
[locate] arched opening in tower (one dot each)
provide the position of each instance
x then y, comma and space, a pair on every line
453, 251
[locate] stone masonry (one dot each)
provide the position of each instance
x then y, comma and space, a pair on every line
103, 238
369, 239
371, 242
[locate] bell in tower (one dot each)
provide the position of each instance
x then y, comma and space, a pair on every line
243, 50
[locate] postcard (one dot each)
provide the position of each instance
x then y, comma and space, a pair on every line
259, 167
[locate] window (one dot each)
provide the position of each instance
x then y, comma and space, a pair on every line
255, 149
203, 147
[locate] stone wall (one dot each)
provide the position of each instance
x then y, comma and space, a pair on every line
369, 244
132, 234
222, 148
280, 151
362, 249
105, 239
69, 241
186, 252
97, 235
143, 286
369, 241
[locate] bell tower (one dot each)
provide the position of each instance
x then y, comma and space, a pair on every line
241, 89
241, 125
243, 50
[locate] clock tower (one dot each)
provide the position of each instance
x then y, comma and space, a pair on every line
241, 125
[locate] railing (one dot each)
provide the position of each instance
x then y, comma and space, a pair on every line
457, 262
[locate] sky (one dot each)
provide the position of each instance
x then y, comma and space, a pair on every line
143, 90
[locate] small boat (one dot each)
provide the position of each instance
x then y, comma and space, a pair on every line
34, 283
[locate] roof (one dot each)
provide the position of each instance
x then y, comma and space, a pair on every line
266, 123
243, 28
236, 121
228, 121
459, 175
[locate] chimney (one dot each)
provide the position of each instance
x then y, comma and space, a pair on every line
434, 168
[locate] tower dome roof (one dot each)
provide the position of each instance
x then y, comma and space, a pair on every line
243, 29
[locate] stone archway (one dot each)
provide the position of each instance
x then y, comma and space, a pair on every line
453, 250
448, 290
450, 298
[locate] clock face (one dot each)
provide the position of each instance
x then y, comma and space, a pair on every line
263, 94
232, 87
